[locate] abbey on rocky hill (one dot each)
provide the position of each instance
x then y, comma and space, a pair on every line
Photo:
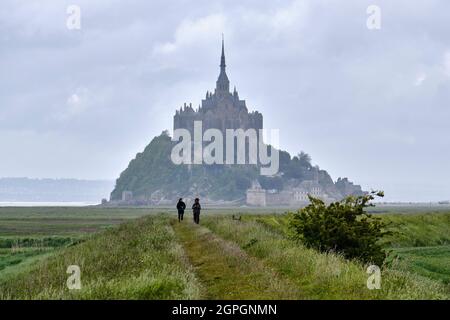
150, 179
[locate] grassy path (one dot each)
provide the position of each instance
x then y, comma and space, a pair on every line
226, 271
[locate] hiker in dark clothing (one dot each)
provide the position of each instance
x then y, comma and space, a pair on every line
180, 207
196, 207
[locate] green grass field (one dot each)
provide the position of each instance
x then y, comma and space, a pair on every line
141, 253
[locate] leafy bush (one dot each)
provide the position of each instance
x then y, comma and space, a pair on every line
342, 227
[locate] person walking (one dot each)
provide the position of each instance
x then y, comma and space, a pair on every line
180, 207
196, 207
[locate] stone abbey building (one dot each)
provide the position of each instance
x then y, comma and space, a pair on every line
219, 110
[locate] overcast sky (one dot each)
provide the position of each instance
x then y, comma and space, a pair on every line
373, 105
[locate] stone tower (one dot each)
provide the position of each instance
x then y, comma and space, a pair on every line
219, 110
222, 84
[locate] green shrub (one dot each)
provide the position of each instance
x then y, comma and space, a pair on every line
342, 227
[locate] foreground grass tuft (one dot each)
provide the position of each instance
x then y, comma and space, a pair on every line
136, 260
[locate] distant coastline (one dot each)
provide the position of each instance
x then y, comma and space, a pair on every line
380, 207
65, 191
47, 204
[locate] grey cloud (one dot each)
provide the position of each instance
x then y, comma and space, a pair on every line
371, 105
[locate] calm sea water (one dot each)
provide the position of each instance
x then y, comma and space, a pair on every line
47, 204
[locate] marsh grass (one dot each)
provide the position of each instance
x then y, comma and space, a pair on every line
319, 275
420, 240
224, 258
418, 230
135, 260
431, 262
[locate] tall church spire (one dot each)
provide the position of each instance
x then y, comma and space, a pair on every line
222, 84
222, 59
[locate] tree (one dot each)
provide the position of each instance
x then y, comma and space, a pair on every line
305, 159
343, 227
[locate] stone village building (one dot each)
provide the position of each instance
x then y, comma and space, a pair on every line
257, 196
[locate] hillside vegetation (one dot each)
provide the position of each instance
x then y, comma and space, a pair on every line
152, 175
